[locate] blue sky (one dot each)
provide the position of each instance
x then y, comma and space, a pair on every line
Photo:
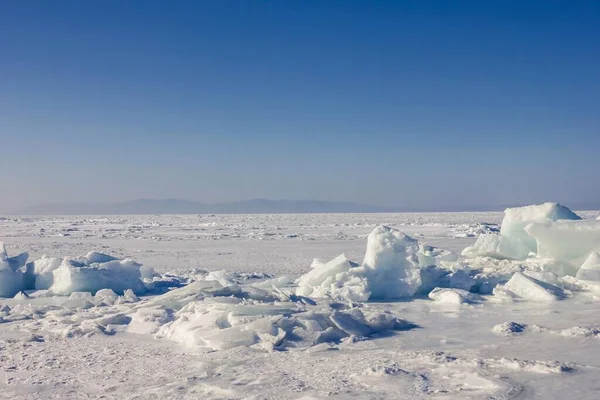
430, 104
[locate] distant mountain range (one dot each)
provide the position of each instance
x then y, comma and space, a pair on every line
176, 206
256, 206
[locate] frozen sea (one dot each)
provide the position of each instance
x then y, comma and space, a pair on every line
453, 352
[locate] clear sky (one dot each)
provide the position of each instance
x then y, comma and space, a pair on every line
396, 103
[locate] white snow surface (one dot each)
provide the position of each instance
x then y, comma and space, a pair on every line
223, 317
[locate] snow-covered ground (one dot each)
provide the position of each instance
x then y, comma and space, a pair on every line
455, 344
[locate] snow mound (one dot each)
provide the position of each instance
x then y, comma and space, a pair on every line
526, 287
12, 274
454, 296
568, 241
509, 328
581, 332
391, 264
590, 270
516, 219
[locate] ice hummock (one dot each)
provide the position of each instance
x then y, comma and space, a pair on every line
391, 264
64, 276
12, 274
516, 219
497, 246
222, 317
390, 270
515, 240
339, 278
568, 241
91, 274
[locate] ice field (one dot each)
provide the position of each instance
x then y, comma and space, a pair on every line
344, 306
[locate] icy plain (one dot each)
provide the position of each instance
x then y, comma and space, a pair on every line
452, 344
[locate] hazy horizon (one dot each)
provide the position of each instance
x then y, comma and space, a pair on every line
251, 206
431, 105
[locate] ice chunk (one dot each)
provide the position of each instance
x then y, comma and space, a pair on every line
107, 296
11, 276
352, 322
146, 273
454, 296
391, 264
497, 246
516, 219
320, 273
430, 255
279, 282
149, 320
317, 262
530, 288
118, 275
590, 270
569, 241
81, 296
21, 296
43, 269
223, 277
95, 257
130, 296
338, 279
